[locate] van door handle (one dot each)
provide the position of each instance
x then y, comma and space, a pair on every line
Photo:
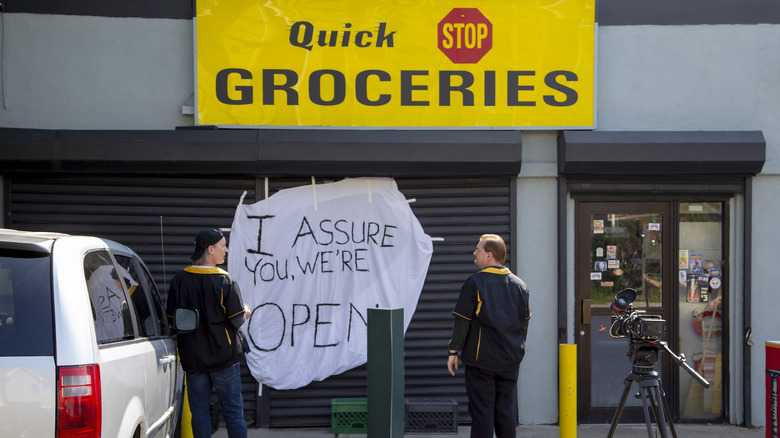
167, 359
586, 311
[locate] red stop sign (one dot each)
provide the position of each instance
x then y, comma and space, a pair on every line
465, 35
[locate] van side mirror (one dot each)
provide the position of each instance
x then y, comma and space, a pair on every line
185, 319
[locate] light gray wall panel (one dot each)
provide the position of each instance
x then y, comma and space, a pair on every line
71, 72
765, 323
537, 231
691, 78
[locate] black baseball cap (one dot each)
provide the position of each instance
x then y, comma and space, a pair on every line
203, 240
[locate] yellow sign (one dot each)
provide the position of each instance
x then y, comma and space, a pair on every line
358, 63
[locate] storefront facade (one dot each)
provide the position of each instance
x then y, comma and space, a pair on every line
649, 217
672, 187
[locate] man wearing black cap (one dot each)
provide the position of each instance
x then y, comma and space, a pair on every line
210, 354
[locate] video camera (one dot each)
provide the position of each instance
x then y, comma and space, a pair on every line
643, 331
634, 324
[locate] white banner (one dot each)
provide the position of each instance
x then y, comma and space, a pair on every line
310, 261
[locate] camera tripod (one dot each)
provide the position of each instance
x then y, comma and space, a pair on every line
650, 391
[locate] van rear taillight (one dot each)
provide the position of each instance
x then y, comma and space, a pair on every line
79, 407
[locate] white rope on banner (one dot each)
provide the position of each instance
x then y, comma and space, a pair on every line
238, 208
236, 214
266, 191
314, 192
260, 386
368, 182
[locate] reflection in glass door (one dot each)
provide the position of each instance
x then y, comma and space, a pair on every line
626, 251
700, 297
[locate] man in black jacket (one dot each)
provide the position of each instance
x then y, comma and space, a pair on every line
491, 323
210, 354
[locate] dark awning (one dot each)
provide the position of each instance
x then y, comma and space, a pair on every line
282, 151
661, 152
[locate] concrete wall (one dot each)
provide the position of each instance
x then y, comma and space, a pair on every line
75, 72
722, 77
537, 265
764, 302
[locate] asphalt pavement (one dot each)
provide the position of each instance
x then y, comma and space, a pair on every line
534, 431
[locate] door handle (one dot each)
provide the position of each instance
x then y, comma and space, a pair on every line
167, 359
586, 311
749, 337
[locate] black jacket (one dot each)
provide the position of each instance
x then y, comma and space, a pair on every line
214, 344
494, 303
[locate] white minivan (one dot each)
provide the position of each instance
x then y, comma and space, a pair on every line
85, 348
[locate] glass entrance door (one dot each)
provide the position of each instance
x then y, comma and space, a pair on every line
673, 254
619, 245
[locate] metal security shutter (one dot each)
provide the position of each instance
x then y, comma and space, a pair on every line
129, 210
457, 210
147, 214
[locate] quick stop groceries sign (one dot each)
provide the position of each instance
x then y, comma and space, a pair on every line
357, 63
310, 261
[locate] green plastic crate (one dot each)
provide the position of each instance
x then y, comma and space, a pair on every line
348, 415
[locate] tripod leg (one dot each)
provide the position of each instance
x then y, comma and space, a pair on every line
658, 411
644, 394
668, 414
619, 412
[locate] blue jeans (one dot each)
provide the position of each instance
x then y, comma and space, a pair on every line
227, 384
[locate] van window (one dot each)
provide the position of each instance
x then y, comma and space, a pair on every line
26, 327
110, 309
143, 293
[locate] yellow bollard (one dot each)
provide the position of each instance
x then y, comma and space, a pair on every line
186, 417
567, 390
